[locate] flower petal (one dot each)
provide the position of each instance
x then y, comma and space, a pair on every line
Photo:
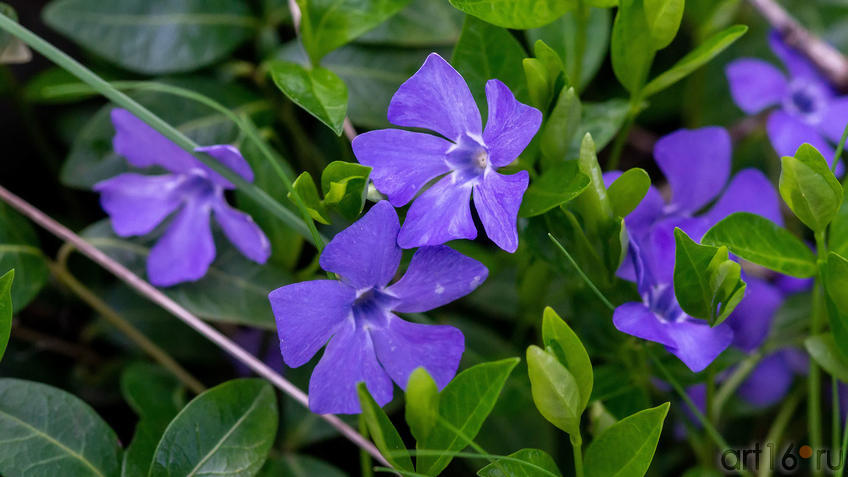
510, 126
242, 231
137, 203
787, 133
307, 314
768, 383
230, 157
437, 98
659, 251
403, 346
366, 253
696, 343
696, 163
186, 250
436, 276
638, 320
751, 320
349, 359
795, 62
755, 84
143, 146
439, 214
497, 199
835, 118
748, 191
402, 161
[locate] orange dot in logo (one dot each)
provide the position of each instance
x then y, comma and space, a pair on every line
805, 452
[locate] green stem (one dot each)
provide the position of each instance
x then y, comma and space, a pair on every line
582, 274
620, 141
121, 99
775, 433
814, 398
835, 415
365, 463
710, 403
839, 147
844, 451
733, 382
577, 449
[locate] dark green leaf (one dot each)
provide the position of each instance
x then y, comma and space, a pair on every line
423, 23
567, 347
809, 187
46, 431
696, 58
555, 392
838, 232
382, 431
538, 82
763, 242
824, 351
627, 448
532, 463
308, 192
344, 185
560, 126
464, 405
556, 186
319, 91
298, 466
19, 250
517, 14
329, 24
631, 49
664, 18
154, 36
835, 275
626, 192
227, 430
422, 404
602, 121
5, 309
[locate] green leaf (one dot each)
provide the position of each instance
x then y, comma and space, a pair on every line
593, 204
382, 431
154, 36
824, 351
626, 192
560, 126
329, 24
562, 37
423, 23
663, 18
838, 232
809, 187
422, 404
227, 430
464, 405
47, 431
12, 49
835, 276
552, 63
567, 347
602, 121
696, 58
763, 242
631, 50
5, 309
298, 466
485, 52
555, 391
308, 192
533, 463
19, 250
344, 185
5, 37
517, 14
538, 82
627, 448
318, 90
707, 284
234, 290
556, 186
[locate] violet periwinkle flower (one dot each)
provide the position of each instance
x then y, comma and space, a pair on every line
465, 157
138, 203
367, 341
808, 110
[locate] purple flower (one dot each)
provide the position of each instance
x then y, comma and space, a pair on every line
465, 157
808, 110
367, 342
138, 203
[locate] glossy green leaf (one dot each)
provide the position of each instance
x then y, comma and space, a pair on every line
532, 463
809, 187
308, 193
823, 349
835, 276
154, 36
485, 52
318, 90
422, 404
631, 49
556, 186
292, 465
5, 309
382, 431
344, 185
46, 431
561, 126
707, 284
626, 192
538, 83
567, 347
227, 430
593, 204
696, 58
464, 405
663, 18
838, 232
763, 242
517, 14
329, 24
602, 121
19, 250
627, 448
553, 64
423, 23
555, 391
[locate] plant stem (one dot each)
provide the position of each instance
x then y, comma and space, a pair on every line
844, 451
729, 386
814, 413
775, 433
365, 464
577, 449
839, 148
835, 420
710, 403
620, 141
582, 274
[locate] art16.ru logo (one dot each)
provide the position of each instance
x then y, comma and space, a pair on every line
792, 459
